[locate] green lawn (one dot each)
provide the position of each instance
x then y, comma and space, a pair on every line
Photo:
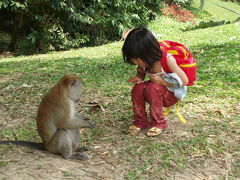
209, 139
220, 13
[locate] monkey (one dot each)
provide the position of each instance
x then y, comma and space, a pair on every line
125, 34
127, 31
58, 122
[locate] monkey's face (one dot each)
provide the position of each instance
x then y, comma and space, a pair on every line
75, 90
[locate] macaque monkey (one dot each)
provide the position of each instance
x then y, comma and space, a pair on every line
127, 31
58, 122
125, 34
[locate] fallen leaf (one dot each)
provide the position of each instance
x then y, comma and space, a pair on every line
223, 113
94, 106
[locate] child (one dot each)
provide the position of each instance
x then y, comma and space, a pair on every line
142, 49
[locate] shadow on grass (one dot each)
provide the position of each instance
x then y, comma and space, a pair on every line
171, 151
216, 63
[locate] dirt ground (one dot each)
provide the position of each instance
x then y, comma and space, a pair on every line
27, 164
20, 163
32, 164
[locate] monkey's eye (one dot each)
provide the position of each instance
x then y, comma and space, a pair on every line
73, 83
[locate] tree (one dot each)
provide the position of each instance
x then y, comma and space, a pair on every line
202, 2
45, 25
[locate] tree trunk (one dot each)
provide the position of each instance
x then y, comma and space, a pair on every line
16, 29
202, 2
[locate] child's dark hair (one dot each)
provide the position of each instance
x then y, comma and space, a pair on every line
141, 43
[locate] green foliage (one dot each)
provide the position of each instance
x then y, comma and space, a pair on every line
2, 163
211, 106
203, 25
67, 173
201, 15
183, 3
55, 25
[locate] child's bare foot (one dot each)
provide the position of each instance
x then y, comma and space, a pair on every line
154, 131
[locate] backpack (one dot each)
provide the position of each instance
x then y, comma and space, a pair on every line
183, 57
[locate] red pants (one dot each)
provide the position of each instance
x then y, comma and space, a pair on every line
158, 97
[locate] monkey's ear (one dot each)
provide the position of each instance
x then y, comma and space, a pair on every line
73, 84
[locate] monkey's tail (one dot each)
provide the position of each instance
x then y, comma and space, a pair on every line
30, 144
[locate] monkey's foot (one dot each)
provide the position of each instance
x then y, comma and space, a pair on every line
79, 156
82, 149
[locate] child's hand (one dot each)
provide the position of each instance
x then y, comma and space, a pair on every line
157, 79
135, 80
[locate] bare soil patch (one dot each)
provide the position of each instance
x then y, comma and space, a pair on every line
25, 163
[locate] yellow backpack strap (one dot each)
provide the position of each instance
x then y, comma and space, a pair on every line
179, 115
165, 43
185, 52
168, 110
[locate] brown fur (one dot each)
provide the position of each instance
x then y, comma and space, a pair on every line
125, 34
57, 120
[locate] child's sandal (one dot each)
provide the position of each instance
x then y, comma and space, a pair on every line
134, 130
154, 131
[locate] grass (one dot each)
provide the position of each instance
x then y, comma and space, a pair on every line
211, 106
219, 13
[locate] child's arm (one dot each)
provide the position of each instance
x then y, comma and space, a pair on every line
173, 66
141, 73
155, 78
139, 77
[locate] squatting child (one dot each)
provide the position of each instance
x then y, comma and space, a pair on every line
141, 48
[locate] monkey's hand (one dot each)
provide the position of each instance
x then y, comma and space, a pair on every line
91, 124
78, 121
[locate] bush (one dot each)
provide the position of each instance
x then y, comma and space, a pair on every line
203, 25
182, 3
45, 25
